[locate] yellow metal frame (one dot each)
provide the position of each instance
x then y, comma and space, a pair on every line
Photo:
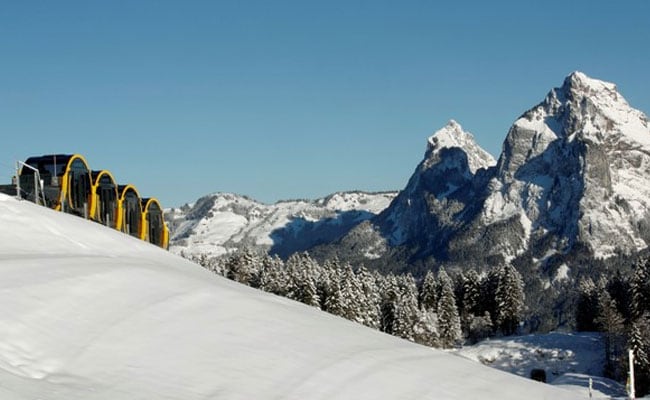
120, 206
144, 227
95, 197
65, 194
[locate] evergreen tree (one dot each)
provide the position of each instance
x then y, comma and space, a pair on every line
241, 266
334, 300
272, 277
509, 299
303, 275
639, 340
639, 343
488, 303
641, 288
406, 308
351, 294
471, 293
390, 293
428, 298
587, 305
425, 329
371, 299
610, 322
448, 320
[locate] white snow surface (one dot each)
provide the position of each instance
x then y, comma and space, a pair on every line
90, 313
568, 359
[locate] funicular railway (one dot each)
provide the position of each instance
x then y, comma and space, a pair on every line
64, 182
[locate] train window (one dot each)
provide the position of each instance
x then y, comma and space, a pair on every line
133, 213
155, 224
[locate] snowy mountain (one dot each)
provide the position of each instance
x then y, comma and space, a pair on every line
90, 313
221, 222
574, 173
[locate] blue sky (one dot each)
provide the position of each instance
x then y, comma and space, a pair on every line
291, 99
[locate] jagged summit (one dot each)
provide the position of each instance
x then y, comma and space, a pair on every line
453, 135
579, 81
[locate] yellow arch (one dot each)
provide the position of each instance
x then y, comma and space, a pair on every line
144, 227
94, 211
65, 190
120, 205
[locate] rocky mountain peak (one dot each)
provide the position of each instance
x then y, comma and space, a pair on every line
452, 136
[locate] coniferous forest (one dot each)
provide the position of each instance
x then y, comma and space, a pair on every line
446, 310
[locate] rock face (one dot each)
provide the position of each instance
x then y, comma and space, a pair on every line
574, 172
439, 195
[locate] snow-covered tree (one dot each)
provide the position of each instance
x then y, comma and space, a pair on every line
639, 343
509, 299
272, 276
389, 303
369, 312
407, 307
241, 266
428, 297
471, 293
425, 329
639, 340
448, 319
303, 274
610, 322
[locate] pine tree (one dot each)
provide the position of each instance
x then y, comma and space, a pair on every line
371, 299
428, 298
272, 277
641, 289
639, 343
241, 266
610, 322
472, 293
303, 275
509, 299
639, 340
471, 304
448, 320
351, 294
407, 307
334, 301
587, 307
389, 299
425, 329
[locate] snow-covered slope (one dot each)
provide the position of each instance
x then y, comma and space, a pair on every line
221, 222
90, 313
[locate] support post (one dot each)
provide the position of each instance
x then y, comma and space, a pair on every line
85, 210
18, 180
631, 377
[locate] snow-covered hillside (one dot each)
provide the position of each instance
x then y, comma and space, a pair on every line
220, 222
90, 313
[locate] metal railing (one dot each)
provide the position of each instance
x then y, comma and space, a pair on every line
38, 183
